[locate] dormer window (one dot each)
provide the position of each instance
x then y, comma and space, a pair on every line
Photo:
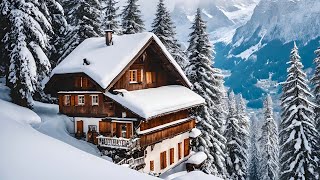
133, 76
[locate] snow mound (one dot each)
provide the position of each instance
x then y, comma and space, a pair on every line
29, 154
18, 113
197, 158
198, 175
195, 133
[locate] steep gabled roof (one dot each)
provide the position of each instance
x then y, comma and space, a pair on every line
107, 62
154, 102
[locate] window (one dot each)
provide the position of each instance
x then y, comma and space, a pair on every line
150, 77
133, 76
92, 128
124, 131
179, 150
81, 100
171, 156
124, 114
95, 100
163, 160
67, 100
151, 165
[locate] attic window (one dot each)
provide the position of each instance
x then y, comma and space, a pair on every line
133, 76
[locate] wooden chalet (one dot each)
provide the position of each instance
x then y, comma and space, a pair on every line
130, 97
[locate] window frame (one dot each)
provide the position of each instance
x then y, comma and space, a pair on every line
92, 98
133, 76
65, 100
80, 103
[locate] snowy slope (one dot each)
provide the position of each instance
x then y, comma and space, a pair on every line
28, 154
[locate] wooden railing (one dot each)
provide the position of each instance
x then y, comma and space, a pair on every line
119, 143
133, 163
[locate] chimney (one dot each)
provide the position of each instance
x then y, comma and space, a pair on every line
108, 34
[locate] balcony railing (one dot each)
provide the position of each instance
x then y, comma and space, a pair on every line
118, 143
133, 163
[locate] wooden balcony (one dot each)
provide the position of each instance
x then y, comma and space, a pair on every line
118, 143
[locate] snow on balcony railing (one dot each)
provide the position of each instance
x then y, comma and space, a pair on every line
132, 162
119, 143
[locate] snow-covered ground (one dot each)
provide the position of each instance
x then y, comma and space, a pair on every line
37, 145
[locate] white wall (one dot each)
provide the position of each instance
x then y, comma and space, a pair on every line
86, 121
165, 145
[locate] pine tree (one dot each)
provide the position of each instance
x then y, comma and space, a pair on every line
60, 28
131, 18
298, 136
253, 172
269, 145
84, 18
110, 20
163, 27
316, 82
207, 82
236, 160
26, 43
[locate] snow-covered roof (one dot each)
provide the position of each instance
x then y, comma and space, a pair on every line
107, 62
152, 102
197, 158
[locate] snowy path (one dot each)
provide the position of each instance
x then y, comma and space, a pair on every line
59, 127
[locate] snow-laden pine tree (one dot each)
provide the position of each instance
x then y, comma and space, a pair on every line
298, 136
269, 144
236, 154
110, 16
254, 155
26, 43
4, 26
208, 83
84, 18
164, 28
244, 125
131, 18
316, 82
60, 26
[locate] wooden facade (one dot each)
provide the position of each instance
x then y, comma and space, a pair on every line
158, 121
105, 107
155, 137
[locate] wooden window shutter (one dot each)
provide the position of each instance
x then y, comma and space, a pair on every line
151, 165
139, 75
85, 82
73, 100
102, 127
129, 130
76, 82
154, 77
164, 159
179, 150
149, 77
186, 147
171, 156
61, 100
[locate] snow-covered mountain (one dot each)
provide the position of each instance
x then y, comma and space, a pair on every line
259, 49
222, 16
